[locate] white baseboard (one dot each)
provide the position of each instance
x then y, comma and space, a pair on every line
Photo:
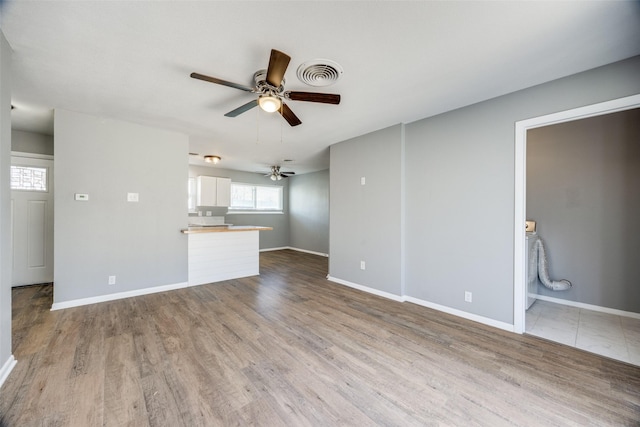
465, 315
589, 306
274, 249
145, 291
367, 289
308, 252
404, 298
119, 295
7, 368
295, 249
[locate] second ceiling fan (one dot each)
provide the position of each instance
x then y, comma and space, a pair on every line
269, 85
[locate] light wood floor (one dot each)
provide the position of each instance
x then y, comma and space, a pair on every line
290, 348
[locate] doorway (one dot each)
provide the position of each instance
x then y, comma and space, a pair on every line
521, 128
31, 219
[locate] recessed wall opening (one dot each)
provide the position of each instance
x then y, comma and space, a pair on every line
538, 126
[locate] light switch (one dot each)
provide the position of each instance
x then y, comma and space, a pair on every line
81, 197
132, 197
363, 180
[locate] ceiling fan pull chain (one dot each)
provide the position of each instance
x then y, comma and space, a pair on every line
269, 86
257, 126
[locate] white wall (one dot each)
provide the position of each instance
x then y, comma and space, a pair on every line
31, 142
6, 358
583, 181
139, 243
309, 212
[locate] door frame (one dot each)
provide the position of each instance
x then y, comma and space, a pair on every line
15, 155
520, 208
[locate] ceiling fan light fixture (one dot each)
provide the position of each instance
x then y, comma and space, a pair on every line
212, 159
273, 177
269, 103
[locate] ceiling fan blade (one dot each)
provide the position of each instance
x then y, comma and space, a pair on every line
241, 109
278, 63
287, 173
288, 115
325, 98
221, 82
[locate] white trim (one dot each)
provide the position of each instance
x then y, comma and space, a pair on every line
7, 368
118, 295
403, 210
589, 306
520, 210
274, 249
404, 298
367, 289
308, 252
521, 128
294, 249
32, 155
465, 315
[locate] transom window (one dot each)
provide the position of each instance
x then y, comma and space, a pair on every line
28, 178
249, 197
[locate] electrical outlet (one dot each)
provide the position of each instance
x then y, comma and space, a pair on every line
363, 180
468, 296
112, 280
362, 265
208, 213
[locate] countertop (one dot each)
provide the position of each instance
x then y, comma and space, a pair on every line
224, 229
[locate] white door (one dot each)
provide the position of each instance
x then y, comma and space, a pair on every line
32, 220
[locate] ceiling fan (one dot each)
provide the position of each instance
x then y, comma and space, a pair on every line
269, 85
276, 175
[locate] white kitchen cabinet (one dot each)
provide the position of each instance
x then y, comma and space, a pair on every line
213, 191
207, 191
223, 192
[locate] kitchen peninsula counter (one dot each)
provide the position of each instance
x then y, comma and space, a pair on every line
223, 252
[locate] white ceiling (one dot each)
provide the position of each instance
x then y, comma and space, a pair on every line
402, 61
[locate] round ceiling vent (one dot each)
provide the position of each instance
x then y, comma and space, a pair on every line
319, 72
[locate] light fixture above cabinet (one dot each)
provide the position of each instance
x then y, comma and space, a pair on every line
212, 159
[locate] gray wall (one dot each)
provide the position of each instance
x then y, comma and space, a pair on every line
5, 201
583, 181
365, 220
276, 238
140, 243
459, 190
309, 212
31, 142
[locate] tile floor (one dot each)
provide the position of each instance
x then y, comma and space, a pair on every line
617, 337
